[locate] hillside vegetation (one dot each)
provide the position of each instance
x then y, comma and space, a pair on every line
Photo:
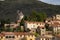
8, 8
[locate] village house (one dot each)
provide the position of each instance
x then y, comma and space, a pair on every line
54, 24
17, 36
46, 37
41, 30
17, 23
33, 25
55, 18
56, 28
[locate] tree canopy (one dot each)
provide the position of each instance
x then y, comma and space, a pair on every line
36, 16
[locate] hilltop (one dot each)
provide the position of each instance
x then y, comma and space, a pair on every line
8, 8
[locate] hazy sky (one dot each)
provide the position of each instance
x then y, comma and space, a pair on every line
55, 2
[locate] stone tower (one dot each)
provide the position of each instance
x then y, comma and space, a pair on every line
19, 16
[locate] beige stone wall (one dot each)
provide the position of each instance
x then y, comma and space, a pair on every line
34, 25
30, 37
58, 17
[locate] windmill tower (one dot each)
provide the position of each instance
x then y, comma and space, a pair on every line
19, 16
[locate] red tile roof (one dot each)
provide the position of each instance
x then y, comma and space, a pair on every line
34, 22
56, 20
55, 24
16, 33
41, 26
1, 35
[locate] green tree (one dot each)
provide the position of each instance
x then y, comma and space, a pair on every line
22, 22
2, 28
37, 16
36, 34
9, 29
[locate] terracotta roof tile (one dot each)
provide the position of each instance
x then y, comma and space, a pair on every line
1, 34
56, 20
55, 24
16, 33
34, 22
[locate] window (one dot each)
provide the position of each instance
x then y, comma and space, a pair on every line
30, 39
1, 37
9, 36
6, 36
13, 37
33, 31
43, 39
47, 39
42, 28
49, 21
20, 35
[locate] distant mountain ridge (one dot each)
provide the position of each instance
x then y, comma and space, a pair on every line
8, 9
